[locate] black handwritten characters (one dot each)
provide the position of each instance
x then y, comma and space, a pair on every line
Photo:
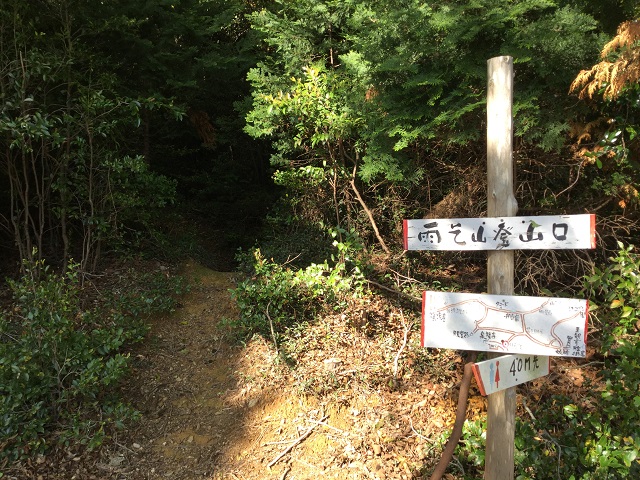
526, 364
456, 233
503, 234
478, 237
506, 233
430, 234
529, 237
508, 371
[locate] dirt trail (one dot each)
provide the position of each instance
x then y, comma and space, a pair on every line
198, 414
208, 409
361, 400
211, 410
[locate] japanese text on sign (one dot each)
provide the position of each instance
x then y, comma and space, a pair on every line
508, 371
507, 233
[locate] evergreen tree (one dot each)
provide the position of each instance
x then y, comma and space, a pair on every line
392, 93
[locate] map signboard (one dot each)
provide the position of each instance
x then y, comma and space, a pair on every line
506, 233
505, 323
508, 371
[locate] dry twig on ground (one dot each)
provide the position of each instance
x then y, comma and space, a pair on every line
296, 442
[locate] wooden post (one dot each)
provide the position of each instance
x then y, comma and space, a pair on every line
499, 464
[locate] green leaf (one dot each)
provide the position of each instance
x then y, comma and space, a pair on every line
629, 457
626, 311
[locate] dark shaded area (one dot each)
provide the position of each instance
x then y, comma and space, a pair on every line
224, 191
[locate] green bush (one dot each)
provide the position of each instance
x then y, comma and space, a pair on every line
601, 440
278, 296
58, 362
617, 287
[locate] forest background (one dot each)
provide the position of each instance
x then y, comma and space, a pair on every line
304, 132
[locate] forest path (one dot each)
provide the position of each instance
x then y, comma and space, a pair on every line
363, 400
208, 408
215, 410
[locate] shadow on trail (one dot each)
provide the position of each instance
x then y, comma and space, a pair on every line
187, 382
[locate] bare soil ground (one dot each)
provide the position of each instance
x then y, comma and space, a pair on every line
216, 410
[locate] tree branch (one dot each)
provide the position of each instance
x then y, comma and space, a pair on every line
456, 434
367, 211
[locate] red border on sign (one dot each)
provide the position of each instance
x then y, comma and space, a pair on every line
593, 230
405, 234
476, 373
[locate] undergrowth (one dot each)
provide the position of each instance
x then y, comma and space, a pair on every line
59, 361
276, 296
560, 437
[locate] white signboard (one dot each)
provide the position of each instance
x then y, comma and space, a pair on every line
508, 371
504, 323
506, 233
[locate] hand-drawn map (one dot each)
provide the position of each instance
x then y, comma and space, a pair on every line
504, 323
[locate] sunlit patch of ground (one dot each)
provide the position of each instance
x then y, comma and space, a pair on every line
349, 407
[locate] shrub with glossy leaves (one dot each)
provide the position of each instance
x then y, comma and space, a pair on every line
59, 361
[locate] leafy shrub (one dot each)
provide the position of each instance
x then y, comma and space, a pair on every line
145, 293
57, 362
294, 223
472, 444
278, 296
601, 440
617, 286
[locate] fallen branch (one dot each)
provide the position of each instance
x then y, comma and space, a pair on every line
284, 474
344, 432
372, 221
456, 434
407, 328
397, 292
418, 434
296, 442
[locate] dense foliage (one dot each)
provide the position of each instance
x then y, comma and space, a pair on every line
387, 99
101, 103
379, 108
358, 114
71, 180
392, 88
59, 360
276, 296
